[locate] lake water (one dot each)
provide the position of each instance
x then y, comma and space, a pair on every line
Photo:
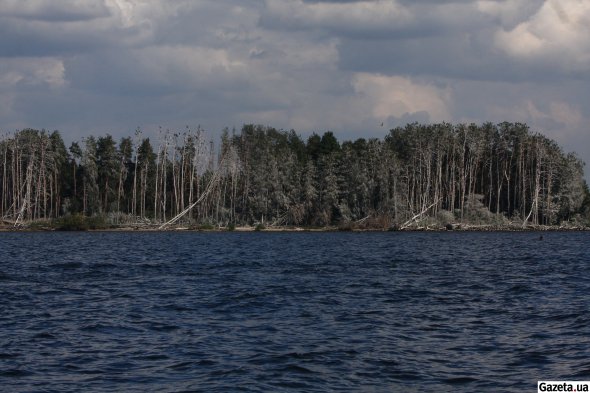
314, 312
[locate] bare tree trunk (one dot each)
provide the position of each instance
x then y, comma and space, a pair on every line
5, 181
158, 157
120, 184
175, 193
416, 216
134, 203
210, 187
182, 164
25, 208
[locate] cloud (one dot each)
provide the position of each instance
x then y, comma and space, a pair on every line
69, 27
556, 34
31, 72
360, 16
97, 66
557, 113
566, 114
28, 38
20, 80
54, 10
383, 20
560, 121
156, 70
554, 114
508, 14
395, 96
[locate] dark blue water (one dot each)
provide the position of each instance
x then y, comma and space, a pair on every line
261, 312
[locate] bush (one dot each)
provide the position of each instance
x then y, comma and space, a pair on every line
75, 222
97, 222
260, 227
477, 213
231, 227
445, 217
202, 227
40, 225
78, 222
347, 226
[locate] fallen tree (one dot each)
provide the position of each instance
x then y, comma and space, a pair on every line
210, 187
414, 218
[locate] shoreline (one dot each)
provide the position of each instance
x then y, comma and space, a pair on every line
243, 229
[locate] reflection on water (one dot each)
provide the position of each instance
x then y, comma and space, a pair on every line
292, 311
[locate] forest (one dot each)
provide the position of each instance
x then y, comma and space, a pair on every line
419, 175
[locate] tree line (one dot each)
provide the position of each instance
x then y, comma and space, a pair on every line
487, 173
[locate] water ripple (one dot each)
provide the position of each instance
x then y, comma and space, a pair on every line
178, 312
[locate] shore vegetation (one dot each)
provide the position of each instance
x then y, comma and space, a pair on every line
418, 177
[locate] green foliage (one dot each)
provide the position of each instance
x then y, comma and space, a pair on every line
259, 227
585, 208
438, 173
346, 226
98, 222
78, 222
91, 200
204, 227
445, 217
329, 144
40, 225
476, 212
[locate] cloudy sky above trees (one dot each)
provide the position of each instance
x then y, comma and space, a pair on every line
97, 66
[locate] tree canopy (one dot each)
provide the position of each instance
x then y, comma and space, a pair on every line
485, 173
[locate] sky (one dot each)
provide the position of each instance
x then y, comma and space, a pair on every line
110, 66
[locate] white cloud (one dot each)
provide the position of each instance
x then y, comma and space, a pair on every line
132, 13
395, 96
557, 34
